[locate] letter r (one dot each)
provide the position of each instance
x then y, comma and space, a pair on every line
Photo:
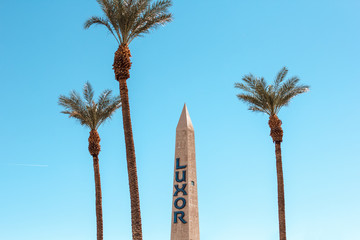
181, 217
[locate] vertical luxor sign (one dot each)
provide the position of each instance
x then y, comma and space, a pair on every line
179, 215
185, 217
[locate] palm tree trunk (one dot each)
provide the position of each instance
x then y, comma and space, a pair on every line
121, 66
277, 135
131, 163
281, 194
99, 217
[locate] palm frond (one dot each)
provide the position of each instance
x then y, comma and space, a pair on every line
269, 98
128, 19
88, 93
90, 113
109, 109
74, 107
285, 99
250, 80
288, 85
253, 101
145, 26
257, 109
109, 7
104, 98
280, 77
101, 21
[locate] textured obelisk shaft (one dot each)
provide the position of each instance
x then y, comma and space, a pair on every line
185, 217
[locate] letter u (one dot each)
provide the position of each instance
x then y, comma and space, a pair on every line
183, 179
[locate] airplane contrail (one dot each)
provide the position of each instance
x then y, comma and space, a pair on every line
30, 165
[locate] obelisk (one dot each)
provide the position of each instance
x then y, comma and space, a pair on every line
185, 216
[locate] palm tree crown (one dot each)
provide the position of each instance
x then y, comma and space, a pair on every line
128, 19
269, 98
90, 113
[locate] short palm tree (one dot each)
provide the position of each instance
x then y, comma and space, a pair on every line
270, 99
127, 20
92, 114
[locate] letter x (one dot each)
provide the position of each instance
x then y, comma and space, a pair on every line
182, 189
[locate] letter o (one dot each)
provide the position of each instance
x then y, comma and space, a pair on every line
183, 203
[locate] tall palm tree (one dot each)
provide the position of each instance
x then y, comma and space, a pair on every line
127, 20
92, 114
270, 99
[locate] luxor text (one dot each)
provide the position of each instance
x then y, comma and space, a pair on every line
180, 202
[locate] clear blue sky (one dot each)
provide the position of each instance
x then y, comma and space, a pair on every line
46, 175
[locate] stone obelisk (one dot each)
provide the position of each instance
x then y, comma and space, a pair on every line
185, 216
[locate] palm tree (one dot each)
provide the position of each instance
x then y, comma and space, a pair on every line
92, 115
127, 20
270, 99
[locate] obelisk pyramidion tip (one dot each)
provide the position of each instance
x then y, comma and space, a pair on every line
185, 121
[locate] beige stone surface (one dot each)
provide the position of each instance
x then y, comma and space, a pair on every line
185, 152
